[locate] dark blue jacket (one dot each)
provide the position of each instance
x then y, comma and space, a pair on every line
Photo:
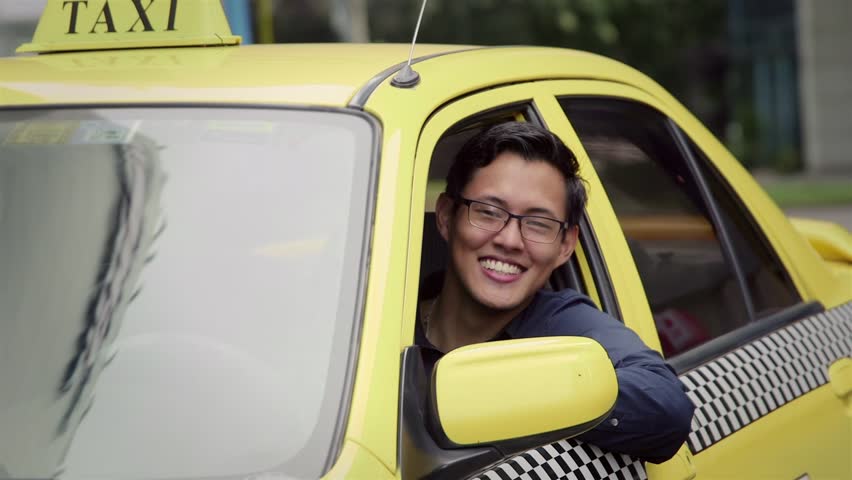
652, 414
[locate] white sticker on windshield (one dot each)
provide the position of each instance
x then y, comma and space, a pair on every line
100, 132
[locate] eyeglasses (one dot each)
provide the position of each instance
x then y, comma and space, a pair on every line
493, 219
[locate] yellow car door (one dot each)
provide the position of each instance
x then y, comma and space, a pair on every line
693, 265
441, 136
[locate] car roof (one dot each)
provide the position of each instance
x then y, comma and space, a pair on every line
332, 75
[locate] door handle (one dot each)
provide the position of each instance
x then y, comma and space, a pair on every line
679, 467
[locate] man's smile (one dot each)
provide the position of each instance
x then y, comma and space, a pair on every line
501, 270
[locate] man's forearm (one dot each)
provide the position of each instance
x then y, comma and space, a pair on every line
651, 418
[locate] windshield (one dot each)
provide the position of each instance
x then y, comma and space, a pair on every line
178, 289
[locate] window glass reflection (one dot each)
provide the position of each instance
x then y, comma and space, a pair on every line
177, 289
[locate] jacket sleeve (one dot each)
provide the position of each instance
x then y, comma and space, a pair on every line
652, 414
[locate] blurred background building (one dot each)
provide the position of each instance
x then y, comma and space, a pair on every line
771, 78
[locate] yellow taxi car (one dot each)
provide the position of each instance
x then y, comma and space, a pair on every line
210, 257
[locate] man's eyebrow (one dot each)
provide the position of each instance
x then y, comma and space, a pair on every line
530, 211
541, 211
495, 200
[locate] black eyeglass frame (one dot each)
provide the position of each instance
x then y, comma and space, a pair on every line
563, 225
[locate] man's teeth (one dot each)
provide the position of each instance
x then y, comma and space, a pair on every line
499, 266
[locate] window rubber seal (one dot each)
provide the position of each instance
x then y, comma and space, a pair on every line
600, 274
715, 215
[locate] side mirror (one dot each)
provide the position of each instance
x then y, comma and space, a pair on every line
831, 240
506, 390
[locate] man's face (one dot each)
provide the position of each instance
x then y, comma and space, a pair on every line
502, 270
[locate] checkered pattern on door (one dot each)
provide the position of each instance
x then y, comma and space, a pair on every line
745, 384
729, 393
568, 459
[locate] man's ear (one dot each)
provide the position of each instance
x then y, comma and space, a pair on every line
444, 212
569, 242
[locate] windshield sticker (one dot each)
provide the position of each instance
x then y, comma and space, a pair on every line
105, 133
90, 132
41, 133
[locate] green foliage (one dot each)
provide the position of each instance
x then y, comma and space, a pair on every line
663, 38
802, 193
685, 45
301, 21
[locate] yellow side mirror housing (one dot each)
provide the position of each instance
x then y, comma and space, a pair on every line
832, 241
505, 390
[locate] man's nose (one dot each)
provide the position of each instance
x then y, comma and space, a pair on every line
510, 235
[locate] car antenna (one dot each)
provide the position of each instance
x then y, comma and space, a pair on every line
407, 77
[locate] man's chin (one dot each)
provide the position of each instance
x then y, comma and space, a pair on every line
500, 304
498, 299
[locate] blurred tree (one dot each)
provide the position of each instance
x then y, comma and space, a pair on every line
691, 47
349, 19
680, 43
264, 20
297, 21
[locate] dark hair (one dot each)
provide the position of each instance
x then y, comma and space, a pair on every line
531, 142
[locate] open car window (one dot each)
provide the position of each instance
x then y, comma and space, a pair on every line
704, 266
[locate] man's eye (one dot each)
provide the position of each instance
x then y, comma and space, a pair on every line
540, 225
488, 212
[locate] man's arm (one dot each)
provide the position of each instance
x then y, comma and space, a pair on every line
652, 414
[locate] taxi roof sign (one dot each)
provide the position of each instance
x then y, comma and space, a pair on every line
73, 25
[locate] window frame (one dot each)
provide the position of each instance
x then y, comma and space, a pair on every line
522, 98
525, 99
713, 210
571, 274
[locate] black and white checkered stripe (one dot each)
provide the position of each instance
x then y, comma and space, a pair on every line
568, 459
745, 384
729, 393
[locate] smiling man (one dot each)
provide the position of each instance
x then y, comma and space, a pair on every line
509, 216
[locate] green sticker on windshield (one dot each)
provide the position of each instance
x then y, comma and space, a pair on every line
88, 132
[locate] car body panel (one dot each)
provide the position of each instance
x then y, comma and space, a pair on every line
831, 240
309, 74
356, 461
778, 389
373, 414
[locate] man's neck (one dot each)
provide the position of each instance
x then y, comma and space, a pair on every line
455, 319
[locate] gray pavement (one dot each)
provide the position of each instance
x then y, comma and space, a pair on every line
841, 214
